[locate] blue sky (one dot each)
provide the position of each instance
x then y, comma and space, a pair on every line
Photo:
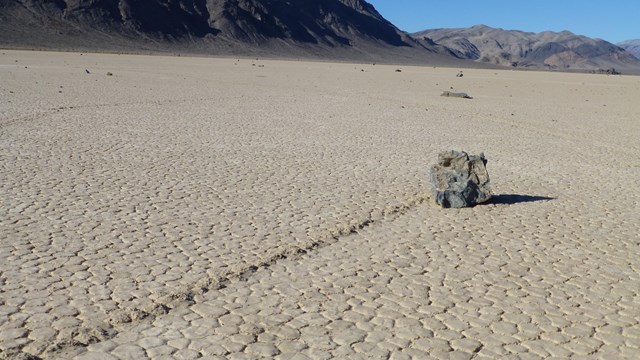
613, 20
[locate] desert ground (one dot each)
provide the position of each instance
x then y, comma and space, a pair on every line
222, 208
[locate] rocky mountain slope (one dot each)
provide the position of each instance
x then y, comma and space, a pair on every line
632, 46
551, 50
326, 28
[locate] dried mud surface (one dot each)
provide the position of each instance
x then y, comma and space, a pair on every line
241, 208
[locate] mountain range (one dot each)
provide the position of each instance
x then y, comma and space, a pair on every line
552, 50
334, 29
632, 46
327, 29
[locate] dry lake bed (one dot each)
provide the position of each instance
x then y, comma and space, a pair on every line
221, 208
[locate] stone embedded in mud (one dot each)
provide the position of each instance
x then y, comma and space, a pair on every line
460, 180
456, 94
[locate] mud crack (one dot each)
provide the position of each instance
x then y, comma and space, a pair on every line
164, 303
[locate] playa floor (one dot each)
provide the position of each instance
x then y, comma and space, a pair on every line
220, 208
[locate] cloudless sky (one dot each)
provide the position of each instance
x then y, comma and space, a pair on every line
613, 20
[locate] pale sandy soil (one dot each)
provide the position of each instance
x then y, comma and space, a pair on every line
213, 208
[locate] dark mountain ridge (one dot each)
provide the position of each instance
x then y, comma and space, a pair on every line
323, 28
350, 30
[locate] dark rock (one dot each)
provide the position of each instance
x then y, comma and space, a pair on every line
460, 74
460, 180
109, 74
87, 71
610, 71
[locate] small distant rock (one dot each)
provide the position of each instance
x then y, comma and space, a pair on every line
610, 71
456, 94
398, 70
87, 71
109, 74
460, 74
460, 180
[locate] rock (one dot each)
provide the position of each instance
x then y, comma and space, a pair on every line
87, 71
460, 180
610, 71
109, 74
398, 70
456, 94
460, 74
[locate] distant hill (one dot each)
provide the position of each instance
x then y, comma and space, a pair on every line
632, 46
337, 29
550, 50
350, 30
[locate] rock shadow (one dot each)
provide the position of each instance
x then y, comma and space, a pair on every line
509, 199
